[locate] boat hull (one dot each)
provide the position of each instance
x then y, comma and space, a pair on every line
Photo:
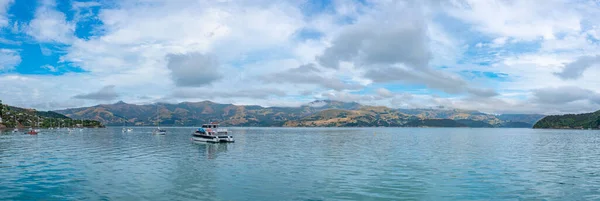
212, 138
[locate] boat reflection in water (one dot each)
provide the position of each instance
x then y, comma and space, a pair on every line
212, 150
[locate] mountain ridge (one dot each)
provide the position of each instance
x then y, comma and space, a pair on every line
316, 113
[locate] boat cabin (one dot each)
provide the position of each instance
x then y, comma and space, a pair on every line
210, 125
212, 133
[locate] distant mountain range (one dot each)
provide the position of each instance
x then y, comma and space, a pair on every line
324, 113
571, 121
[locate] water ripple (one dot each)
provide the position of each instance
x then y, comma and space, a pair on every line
302, 164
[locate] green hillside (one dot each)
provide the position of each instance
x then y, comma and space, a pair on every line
571, 121
15, 117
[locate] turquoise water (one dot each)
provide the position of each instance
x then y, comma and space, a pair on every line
303, 164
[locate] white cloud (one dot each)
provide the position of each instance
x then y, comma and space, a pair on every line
84, 4
526, 20
194, 69
383, 92
575, 69
565, 94
9, 42
9, 59
4, 6
106, 93
365, 44
49, 25
499, 42
50, 68
45, 51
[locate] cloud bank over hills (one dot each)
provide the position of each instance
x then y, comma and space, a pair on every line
493, 56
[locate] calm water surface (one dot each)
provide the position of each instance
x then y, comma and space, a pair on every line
303, 164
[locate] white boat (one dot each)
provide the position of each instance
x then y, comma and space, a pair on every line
16, 125
158, 130
211, 133
127, 130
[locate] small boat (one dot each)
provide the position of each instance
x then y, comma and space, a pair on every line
211, 133
15, 130
127, 130
33, 132
159, 131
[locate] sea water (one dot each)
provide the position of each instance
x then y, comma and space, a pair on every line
302, 164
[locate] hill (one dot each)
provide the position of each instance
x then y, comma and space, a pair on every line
571, 121
190, 114
15, 117
458, 114
316, 113
363, 116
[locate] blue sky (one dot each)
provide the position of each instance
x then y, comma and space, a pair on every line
493, 56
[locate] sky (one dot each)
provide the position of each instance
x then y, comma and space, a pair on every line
495, 56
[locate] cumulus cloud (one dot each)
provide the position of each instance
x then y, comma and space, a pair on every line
432, 79
564, 94
383, 92
345, 96
366, 42
9, 42
50, 25
262, 47
83, 9
400, 52
575, 69
524, 20
246, 93
50, 68
45, 51
446, 83
84, 4
51, 105
309, 74
193, 69
482, 92
4, 5
107, 93
403, 100
9, 59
